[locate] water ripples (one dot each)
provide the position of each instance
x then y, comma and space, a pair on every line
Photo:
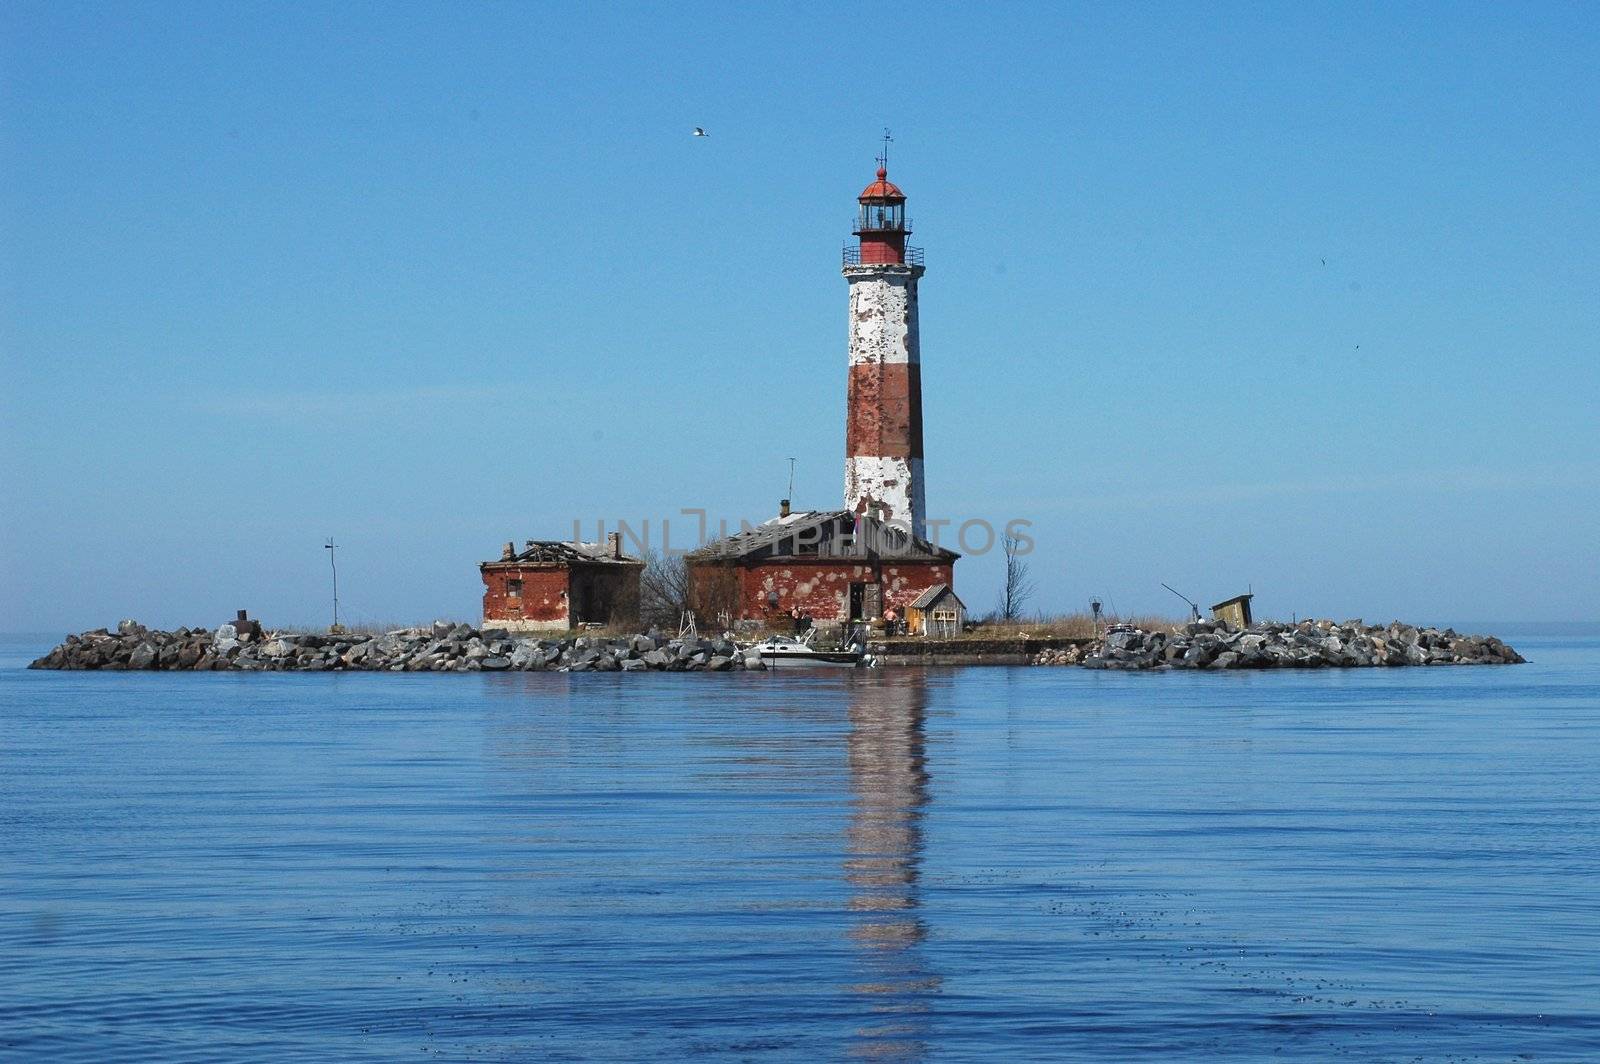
952, 865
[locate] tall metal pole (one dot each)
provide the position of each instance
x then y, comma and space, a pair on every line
1194, 607
335, 569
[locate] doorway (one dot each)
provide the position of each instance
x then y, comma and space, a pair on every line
866, 601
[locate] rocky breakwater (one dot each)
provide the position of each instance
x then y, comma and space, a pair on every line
1306, 645
444, 647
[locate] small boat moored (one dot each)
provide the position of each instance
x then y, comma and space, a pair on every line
786, 652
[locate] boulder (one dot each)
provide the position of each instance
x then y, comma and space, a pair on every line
1123, 641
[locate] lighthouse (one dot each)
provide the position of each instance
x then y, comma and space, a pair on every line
883, 418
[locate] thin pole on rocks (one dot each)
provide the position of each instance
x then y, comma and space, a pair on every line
335, 569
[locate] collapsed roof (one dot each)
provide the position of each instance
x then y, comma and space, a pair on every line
566, 552
809, 534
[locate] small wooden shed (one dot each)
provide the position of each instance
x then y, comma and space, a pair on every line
1234, 612
937, 612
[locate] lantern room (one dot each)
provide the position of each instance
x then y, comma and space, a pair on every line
881, 224
883, 207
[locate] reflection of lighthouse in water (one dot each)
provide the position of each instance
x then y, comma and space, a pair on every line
889, 788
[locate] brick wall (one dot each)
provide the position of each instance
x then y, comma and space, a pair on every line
542, 604
822, 588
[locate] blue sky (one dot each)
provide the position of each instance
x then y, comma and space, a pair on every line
1299, 297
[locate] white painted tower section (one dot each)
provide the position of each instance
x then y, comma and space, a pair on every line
883, 462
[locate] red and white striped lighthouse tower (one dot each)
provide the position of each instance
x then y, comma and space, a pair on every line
883, 422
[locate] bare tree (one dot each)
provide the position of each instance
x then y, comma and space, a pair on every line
664, 591
1019, 588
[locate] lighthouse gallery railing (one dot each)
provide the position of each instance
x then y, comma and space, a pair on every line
852, 256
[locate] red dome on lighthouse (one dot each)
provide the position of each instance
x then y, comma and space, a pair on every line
882, 189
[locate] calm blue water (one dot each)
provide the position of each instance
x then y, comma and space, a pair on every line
988, 864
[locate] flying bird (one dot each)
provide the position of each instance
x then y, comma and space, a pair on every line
700, 132
1324, 262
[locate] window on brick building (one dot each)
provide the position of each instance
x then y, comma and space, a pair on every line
513, 588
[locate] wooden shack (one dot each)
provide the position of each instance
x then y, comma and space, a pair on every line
1234, 612
937, 612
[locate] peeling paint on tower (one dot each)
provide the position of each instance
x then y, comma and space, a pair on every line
883, 418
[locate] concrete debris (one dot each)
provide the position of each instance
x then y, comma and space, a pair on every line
1306, 645
443, 647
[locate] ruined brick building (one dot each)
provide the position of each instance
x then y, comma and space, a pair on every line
831, 564
854, 563
553, 586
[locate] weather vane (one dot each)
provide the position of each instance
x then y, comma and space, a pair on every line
883, 160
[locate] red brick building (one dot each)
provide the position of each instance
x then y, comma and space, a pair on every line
552, 585
832, 564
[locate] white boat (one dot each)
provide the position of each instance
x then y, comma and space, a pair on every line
788, 652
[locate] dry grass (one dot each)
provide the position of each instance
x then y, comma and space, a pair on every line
1059, 626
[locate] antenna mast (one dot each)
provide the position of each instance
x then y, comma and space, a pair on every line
335, 568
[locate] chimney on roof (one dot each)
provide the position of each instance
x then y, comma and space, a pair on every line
783, 507
614, 541
508, 552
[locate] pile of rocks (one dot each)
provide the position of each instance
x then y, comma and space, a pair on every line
445, 647
1306, 645
1072, 654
